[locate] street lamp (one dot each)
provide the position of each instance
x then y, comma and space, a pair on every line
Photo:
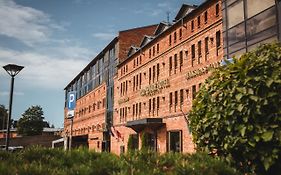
12, 70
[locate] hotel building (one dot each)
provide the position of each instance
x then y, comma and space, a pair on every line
157, 82
94, 92
144, 80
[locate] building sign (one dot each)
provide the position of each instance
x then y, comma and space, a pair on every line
201, 71
71, 103
123, 100
155, 88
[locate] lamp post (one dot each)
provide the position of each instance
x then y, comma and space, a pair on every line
12, 70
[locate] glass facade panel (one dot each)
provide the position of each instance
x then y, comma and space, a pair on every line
261, 22
236, 34
235, 14
256, 6
262, 35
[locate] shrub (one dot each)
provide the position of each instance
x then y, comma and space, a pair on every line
237, 113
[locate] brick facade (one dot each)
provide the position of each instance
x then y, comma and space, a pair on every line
93, 88
161, 79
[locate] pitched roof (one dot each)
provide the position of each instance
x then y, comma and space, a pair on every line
184, 10
146, 39
162, 26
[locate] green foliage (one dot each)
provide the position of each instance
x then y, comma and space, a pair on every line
237, 113
144, 141
37, 160
31, 122
3, 117
130, 143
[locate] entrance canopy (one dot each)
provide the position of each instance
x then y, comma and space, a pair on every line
139, 125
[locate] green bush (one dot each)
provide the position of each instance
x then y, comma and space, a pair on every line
43, 161
237, 113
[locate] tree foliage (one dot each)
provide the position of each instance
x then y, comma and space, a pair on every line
237, 113
31, 122
3, 117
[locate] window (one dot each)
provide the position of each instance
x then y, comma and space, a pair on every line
256, 6
126, 86
176, 100
217, 9
140, 59
176, 63
193, 91
158, 71
171, 100
153, 106
181, 97
134, 65
170, 40
140, 80
153, 74
192, 54
149, 53
206, 45
181, 60
235, 14
174, 141
158, 104
180, 33
192, 25
137, 109
135, 142
175, 37
137, 82
134, 83
140, 109
157, 48
133, 111
149, 75
199, 52
218, 41
206, 17
149, 106
198, 21
153, 51
261, 22
170, 65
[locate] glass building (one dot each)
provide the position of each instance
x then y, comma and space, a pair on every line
249, 23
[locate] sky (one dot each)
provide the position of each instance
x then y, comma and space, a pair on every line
55, 39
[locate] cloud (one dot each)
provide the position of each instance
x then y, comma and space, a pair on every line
163, 4
104, 36
6, 93
25, 24
43, 71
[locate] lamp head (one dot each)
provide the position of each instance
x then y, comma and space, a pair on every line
13, 69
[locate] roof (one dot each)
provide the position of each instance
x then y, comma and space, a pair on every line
181, 14
162, 26
132, 50
146, 39
184, 10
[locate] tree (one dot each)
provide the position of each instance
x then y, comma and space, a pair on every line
3, 117
31, 122
237, 112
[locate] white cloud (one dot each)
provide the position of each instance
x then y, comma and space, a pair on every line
25, 24
43, 71
104, 36
6, 93
163, 4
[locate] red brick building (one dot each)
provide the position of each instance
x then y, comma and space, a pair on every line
94, 92
157, 82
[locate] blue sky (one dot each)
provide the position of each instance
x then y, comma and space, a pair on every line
55, 39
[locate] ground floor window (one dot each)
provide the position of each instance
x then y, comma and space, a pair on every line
134, 142
174, 141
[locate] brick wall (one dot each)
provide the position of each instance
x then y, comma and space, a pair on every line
181, 79
132, 37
